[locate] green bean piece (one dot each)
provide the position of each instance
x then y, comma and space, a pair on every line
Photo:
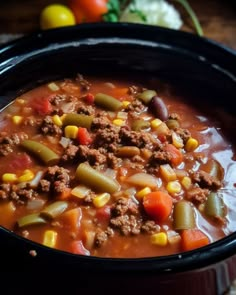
127, 151
146, 96
79, 120
183, 216
54, 210
30, 220
215, 170
214, 206
172, 124
138, 125
44, 153
94, 179
107, 102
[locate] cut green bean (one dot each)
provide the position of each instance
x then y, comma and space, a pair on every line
127, 151
54, 210
214, 206
138, 125
30, 220
183, 216
41, 151
172, 124
107, 102
146, 96
79, 120
94, 179
215, 170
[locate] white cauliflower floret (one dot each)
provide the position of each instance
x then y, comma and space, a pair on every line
152, 12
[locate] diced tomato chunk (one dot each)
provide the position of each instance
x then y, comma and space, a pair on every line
42, 106
19, 162
77, 247
103, 214
83, 136
89, 98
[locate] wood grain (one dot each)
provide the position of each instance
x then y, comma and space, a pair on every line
217, 17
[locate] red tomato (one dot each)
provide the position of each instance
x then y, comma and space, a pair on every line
19, 162
84, 136
77, 247
42, 106
104, 213
88, 10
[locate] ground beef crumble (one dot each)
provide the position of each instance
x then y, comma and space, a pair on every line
56, 179
205, 180
183, 133
7, 143
19, 193
102, 236
197, 195
49, 128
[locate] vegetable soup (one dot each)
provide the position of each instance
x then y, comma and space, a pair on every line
114, 168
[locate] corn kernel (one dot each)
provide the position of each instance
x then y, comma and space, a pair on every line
167, 173
9, 177
101, 200
57, 120
17, 119
71, 131
143, 192
118, 122
27, 175
125, 103
173, 187
53, 86
191, 144
159, 239
186, 182
177, 140
50, 238
155, 123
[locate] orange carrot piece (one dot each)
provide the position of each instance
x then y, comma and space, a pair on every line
158, 205
176, 155
193, 239
119, 92
65, 194
71, 218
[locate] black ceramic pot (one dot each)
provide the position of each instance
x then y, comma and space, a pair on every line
200, 66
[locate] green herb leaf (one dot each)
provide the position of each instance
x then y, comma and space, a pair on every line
114, 10
139, 13
192, 15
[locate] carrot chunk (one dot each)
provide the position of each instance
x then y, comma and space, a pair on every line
176, 155
193, 239
158, 205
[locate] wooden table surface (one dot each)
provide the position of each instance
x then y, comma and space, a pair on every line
217, 17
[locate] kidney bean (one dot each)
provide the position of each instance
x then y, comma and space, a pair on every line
158, 108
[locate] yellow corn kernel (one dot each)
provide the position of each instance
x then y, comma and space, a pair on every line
17, 119
186, 182
50, 238
167, 173
125, 103
118, 122
27, 175
173, 187
71, 131
57, 120
9, 177
177, 140
143, 192
191, 144
159, 239
155, 123
101, 200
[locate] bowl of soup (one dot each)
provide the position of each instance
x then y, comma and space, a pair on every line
117, 146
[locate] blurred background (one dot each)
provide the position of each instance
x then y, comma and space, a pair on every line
217, 17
